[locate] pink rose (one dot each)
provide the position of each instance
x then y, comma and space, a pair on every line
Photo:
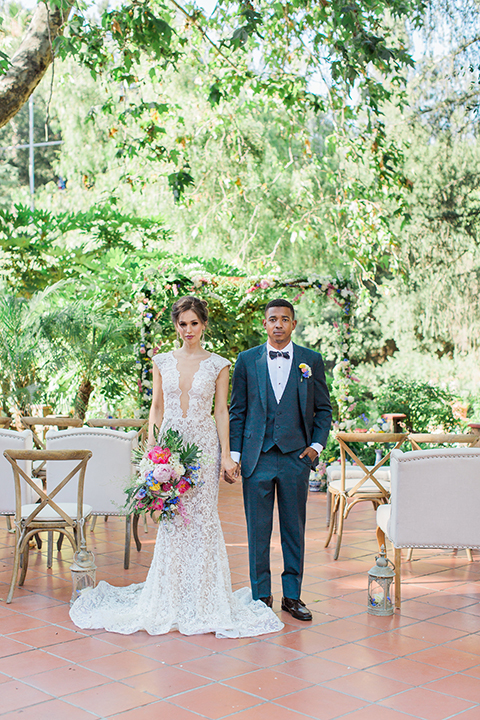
159, 455
182, 486
163, 473
158, 504
166, 487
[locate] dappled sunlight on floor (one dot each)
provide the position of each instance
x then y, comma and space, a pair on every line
423, 662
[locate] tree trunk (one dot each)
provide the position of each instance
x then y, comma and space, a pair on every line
31, 61
82, 398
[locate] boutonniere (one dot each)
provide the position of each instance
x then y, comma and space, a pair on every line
306, 371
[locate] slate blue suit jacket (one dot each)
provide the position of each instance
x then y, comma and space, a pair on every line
248, 405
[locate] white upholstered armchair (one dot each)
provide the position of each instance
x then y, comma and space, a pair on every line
108, 471
435, 495
13, 440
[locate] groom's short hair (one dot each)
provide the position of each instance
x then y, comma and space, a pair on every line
280, 302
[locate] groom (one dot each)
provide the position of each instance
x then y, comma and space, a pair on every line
280, 417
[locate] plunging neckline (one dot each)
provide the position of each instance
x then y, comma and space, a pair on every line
191, 384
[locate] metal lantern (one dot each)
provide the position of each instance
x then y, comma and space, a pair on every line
380, 578
83, 570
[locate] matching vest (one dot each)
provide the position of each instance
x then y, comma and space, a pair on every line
284, 426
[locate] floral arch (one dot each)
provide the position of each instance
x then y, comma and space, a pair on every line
235, 303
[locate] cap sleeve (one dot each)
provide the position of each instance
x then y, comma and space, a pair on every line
160, 360
221, 362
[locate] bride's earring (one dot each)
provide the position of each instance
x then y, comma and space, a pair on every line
176, 343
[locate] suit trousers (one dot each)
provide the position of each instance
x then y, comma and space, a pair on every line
287, 475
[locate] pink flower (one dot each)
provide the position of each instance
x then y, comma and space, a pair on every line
166, 487
158, 504
159, 455
182, 486
163, 473
264, 284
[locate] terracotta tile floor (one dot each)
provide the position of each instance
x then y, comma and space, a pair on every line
421, 663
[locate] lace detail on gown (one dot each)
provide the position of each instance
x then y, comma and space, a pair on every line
188, 585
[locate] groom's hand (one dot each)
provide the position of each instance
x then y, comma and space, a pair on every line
231, 475
312, 454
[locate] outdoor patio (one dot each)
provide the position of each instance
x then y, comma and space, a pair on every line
421, 663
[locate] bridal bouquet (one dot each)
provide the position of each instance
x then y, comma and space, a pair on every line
166, 473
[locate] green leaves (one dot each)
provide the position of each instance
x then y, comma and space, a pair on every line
252, 21
115, 46
426, 406
178, 181
33, 253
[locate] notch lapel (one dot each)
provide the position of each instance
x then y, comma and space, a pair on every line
262, 370
301, 384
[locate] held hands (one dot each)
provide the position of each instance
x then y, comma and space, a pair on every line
230, 470
312, 454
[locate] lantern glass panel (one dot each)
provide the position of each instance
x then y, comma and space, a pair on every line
379, 596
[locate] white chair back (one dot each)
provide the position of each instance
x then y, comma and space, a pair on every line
13, 440
435, 496
108, 471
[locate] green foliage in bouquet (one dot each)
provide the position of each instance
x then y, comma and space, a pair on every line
189, 453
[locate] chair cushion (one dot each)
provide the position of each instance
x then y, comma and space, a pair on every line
353, 471
49, 515
367, 487
383, 517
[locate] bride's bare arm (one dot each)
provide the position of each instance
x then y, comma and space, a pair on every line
156, 409
222, 421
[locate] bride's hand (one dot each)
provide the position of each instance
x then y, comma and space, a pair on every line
230, 470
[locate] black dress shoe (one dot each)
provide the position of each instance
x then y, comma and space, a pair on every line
296, 608
268, 601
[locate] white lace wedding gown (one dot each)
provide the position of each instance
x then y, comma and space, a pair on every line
188, 585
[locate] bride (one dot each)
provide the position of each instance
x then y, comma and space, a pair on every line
188, 585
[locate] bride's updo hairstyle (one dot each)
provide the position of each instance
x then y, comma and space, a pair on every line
190, 302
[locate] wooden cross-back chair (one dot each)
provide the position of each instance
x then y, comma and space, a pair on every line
31, 423
38, 471
66, 517
372, 485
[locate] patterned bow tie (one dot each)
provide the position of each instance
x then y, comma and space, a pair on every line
277, 353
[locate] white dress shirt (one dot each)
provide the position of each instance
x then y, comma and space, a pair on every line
279, 371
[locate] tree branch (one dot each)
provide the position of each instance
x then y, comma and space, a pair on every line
32, 59
194, 21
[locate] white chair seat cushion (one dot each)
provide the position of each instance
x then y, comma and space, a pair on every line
383, 517
353, 471
367, 487
48, 514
